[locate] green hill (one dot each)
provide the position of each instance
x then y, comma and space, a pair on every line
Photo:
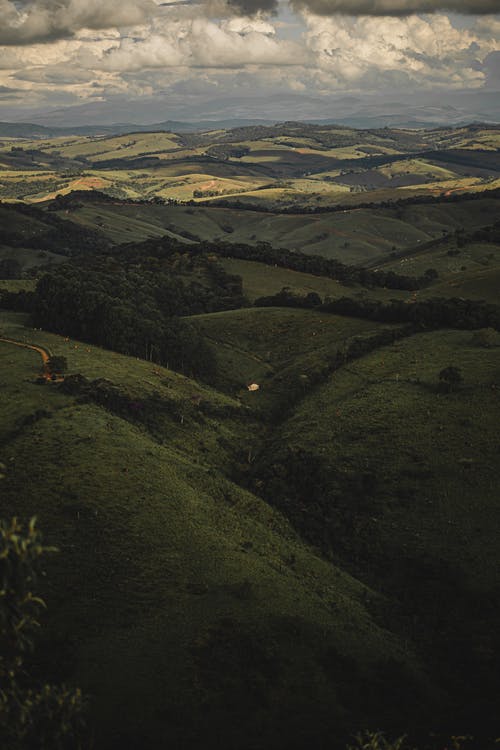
301, 543
356, 236
183, 604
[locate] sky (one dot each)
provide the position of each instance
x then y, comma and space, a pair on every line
95, 61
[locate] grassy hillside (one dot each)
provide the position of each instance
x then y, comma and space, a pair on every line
282, 350
305, 544
353, 236
184, 605
467, 269
398, 478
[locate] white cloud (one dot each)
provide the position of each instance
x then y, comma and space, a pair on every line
32, 21
189, 46
424, 50
203, 43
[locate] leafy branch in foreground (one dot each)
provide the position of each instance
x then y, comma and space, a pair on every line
378, 741
31, 715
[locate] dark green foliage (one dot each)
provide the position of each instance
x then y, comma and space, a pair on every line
431, 314
416, 200
53, 233
134, 307
57, 364
264, 252
450, 377
10, 268
377, 741
32, 716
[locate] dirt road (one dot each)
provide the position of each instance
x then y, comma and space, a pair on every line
44, 353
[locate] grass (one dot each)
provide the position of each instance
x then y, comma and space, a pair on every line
431, 454
17, 285
183, 601
471, 271
260, 280
97, 149
282, 350
168, 571
354, 236
417, 167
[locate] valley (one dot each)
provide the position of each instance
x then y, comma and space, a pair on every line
271, 465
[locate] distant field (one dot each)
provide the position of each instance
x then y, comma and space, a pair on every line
260, 280
354, 236
471, 270
316, 164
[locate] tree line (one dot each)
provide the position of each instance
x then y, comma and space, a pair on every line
415, 200
264, 252
134, 308
428, 314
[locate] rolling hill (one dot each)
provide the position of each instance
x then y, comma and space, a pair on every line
195, 591
302, 542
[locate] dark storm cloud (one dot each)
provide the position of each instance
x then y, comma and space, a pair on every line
492, 68
396, 7
372, 7
250, 7
31, 21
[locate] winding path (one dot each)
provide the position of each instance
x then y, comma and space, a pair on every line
42, 351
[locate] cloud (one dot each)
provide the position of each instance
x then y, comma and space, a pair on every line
197, 51
492, 69
32, 21
394, 7
251, 7
384, 52
202, 43
24, 22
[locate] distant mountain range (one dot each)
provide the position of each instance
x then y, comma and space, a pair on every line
364, 112
32, 130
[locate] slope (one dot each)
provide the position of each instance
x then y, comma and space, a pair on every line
396, 477
182, 604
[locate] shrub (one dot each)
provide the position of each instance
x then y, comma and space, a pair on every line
41, 716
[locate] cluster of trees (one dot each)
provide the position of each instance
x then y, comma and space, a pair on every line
136, 308
228, 151
10, 268
433, 313
316, 265
416, 200
77, 199
61, 236
487, 234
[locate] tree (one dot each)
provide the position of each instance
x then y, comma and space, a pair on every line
57, 364
450, 378
32, 716
10, 268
